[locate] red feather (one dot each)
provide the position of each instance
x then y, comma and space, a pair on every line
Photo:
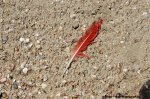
85, 40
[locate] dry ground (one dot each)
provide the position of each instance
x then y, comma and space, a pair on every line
36, 40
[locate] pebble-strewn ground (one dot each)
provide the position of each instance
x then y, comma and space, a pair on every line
36, 38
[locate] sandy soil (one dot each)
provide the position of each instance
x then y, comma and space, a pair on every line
36, 38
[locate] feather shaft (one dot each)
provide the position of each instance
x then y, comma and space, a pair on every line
83, 42
70, 61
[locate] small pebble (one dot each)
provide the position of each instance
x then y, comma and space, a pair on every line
27, 40
39, 92
23, 65
37, 34
13, 21
58, 94
15, 85
83, 27
60, 28
111, 22
75, 25
73, 16
45, 78
92, 97
1, 20
139, 71
95, 67
67, 49
66, 97
4, 95
25, 70
43, 85
38, 46
26, 10
4, 39
64, 81
2, 80
30, 46
93, 76
121, 42
145, 14
125, 70
38, 41
21, 39
134, 8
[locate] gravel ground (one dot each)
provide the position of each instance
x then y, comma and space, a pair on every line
36, 38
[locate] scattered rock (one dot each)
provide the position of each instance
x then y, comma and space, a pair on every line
38, 41
45, 78
37, 35
15, 85
60, 28
38, 46
27, 40
125, 70
145, 14
93, 12
73, 16
21, 39
4, 39
24, 40
93, 76
1, 20
25, 70
23, 64
2, 80
4, 95
121, 42
43, 85
145, 91
75, 25
30, 46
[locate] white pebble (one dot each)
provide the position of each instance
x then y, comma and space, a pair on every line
21, 39
73, 16
93, 76
26, 10
38, 46
23, 65
125, 70
12, 21
27, 40
121, 42
37, 34
45, 78
38, 41
139, 71
30, 45
25, 70
43, 85
64, 81
39, 92
145, 14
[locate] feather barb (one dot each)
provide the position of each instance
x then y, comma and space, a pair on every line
83, 42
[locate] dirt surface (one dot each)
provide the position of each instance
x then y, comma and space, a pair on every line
36, 39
